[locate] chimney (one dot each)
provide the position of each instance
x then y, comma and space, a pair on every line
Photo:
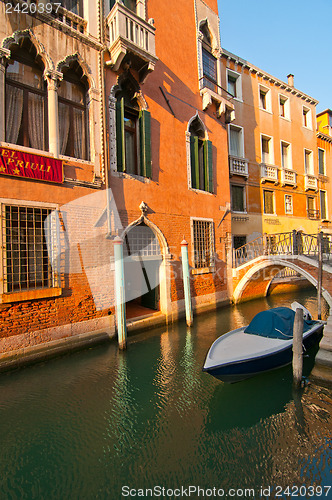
290, 80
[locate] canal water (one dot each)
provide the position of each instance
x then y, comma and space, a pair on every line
100, 424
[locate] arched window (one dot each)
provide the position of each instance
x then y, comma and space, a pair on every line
200, 157
26, 98
208, 59
73, 114
133, 132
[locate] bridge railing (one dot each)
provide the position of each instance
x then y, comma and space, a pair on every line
292, 243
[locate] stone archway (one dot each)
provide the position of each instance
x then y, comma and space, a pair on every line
146, 254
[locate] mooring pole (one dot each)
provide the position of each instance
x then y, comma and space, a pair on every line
186, 282
320, 274
297, 348
120, 300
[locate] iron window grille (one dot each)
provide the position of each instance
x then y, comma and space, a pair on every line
203, 243
25, 260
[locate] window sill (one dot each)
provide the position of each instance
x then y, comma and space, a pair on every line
307, 128
266, 111
124, 175
201, 191
41, 293
203, 270
75, 160
24, 149
285, 118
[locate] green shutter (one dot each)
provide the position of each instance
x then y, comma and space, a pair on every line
145, 143
120, 136
194, 162
208, 166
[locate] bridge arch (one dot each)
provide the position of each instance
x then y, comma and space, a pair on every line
256, 280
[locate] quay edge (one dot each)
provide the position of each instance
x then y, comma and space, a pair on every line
322, 371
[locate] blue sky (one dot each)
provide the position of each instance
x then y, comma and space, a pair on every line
282, 37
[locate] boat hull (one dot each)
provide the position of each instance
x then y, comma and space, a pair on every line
243, 369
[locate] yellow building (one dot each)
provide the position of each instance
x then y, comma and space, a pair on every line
273, 158
324, 144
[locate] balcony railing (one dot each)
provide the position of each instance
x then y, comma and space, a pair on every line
313, 214
129, 33
269, 173
288, 177
238, 166
310, 182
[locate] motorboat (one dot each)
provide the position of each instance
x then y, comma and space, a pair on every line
265, 344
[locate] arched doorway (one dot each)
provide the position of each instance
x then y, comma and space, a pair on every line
142, 261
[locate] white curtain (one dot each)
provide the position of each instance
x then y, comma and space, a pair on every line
14, 109
36, 121
79, 134
64, 121
234, 142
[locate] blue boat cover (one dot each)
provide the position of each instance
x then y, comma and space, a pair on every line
276, 323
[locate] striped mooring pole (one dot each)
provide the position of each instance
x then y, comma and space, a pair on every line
186, 282
120, 299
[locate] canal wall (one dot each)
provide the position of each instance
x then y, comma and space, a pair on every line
322, 370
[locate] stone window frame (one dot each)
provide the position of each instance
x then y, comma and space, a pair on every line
211, 267
35, 293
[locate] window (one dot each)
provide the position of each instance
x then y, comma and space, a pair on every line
308, 162
323, 205
238, 198
236, 147
200, 158
234, 84
264, 98
208, 59
75, 6
284, 107
288, 204
266, 143
73, 114
268, 202
321, 161
26, 265
306, 115
26, 99
203, 243
285, 155
311, 208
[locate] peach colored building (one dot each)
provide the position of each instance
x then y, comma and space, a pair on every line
324, 144
273, 159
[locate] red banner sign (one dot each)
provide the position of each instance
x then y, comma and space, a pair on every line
33, 166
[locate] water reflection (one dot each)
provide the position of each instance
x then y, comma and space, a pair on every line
84, 425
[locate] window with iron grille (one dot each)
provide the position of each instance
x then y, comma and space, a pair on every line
26, 265
203, 239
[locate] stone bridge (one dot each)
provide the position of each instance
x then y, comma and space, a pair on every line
259, 261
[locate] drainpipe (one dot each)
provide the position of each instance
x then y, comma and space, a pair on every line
186, 282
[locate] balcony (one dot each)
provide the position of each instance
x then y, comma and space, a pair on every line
238, 166
269, 173
288, 177
310, 182
132, 37
313, 214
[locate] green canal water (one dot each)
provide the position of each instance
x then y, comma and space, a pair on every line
100, 424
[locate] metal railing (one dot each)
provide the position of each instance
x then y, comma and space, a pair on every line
293, 243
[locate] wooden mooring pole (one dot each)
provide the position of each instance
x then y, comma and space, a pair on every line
186, 282
297, 348
320, 275
120, 299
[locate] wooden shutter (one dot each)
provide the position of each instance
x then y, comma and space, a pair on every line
120, 136
208, 166
194, 161
145, 143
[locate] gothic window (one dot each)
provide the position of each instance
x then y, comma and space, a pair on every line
26, 99
208, 59
200, 158
73, 114
133, 133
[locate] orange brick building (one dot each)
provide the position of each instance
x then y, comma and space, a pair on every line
109, 131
